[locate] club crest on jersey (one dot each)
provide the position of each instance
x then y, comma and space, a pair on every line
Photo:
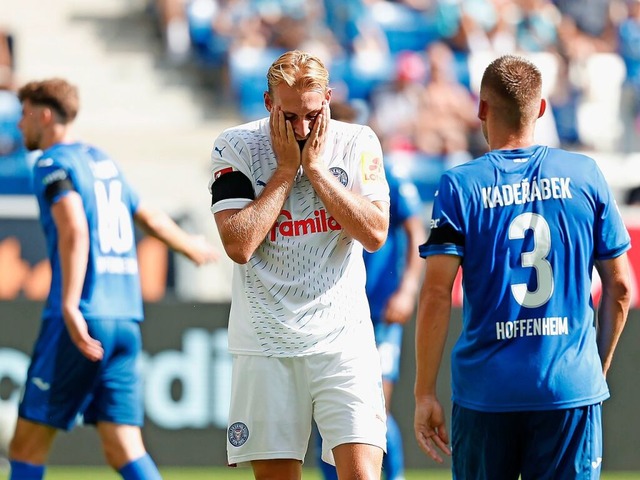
238, 434
221, 172
372, 169
340, 174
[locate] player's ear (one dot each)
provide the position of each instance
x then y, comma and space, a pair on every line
482, 110
543, 107
268, 102
327, 96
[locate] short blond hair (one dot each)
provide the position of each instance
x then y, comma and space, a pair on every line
300, 70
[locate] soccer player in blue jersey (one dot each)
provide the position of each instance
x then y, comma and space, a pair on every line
527, 224
85, 358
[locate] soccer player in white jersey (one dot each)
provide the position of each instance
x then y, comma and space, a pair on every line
296, 196
527, 224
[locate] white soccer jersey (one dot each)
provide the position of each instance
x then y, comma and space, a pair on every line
302, 291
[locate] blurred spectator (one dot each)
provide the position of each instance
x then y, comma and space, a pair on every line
15, 165
447, 111
629, 49
537, 23
174, 29
394, 106
586, 27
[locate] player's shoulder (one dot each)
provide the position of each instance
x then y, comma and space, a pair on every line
344, 132
247, 132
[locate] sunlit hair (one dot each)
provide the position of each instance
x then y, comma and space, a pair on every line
300, 70
56, 93
513, 85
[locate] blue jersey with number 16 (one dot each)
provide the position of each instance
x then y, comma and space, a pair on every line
529, 225
112, 284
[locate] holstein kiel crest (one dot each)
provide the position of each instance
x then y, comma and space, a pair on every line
340, 174
238, 434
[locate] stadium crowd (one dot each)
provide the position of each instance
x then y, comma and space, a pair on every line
412, 67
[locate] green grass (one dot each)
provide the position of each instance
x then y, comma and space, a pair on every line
217, 473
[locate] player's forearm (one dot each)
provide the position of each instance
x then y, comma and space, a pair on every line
432, 327
414, 264
242, 231
612, 316
614, 305
361, 219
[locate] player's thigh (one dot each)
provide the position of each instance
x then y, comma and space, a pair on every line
348, 399
358, 461
118, 396
60, 380
564, 444
285, 469
270, 414
485, 445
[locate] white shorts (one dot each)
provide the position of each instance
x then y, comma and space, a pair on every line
274, 400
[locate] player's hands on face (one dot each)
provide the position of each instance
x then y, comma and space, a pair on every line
430, 429
314, 146
283, 141
79, 333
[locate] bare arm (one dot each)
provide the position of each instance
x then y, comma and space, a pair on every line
158, 224
614, 306
363, 220
432, 327
401, 304
243, 230
73, 248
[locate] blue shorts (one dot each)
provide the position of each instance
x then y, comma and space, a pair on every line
389, 343
62, 384
551, 444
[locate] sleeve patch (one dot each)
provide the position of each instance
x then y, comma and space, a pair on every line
223, 171
372, 167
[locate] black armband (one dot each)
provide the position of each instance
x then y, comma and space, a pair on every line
232, 185
57, 187
445, 234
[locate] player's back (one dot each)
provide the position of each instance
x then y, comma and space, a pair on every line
533, 220
112, 286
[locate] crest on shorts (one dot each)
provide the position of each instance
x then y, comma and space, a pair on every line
340, 174
238, 434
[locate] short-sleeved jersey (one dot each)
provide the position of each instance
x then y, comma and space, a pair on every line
529, 225
112, 284
385, 266
302, 291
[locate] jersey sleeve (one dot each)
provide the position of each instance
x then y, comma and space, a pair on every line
370, 180
611, 235
446, 235
227, 158
52, 179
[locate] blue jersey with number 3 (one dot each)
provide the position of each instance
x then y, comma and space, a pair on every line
528, 224
112, 285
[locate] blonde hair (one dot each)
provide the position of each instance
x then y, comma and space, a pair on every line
298, 69
513, 85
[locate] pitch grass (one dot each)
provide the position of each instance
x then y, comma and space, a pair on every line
217, 473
